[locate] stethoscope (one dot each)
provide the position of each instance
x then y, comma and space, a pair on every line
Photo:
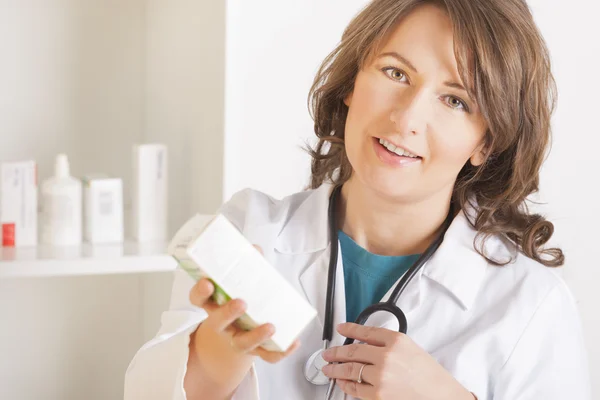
315, 363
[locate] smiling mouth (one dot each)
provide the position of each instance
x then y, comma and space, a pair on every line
397, 151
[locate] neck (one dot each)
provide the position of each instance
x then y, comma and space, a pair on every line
389, 227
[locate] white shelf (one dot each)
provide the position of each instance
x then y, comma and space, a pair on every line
46, 261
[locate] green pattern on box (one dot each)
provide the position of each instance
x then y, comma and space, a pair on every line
219, 296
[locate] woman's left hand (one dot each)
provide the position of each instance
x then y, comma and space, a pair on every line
394, 367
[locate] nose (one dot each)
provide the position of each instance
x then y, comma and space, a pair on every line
410, 112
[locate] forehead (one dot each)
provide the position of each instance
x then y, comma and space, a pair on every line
425, 37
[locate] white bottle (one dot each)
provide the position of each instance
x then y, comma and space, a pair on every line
61, 207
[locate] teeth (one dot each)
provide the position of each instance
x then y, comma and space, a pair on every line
391, 147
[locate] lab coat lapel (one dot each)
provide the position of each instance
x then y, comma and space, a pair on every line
307, 233
339, 300
408, 302
456, 266
314, 284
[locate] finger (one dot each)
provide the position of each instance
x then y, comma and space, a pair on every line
351, 372
248, 341
210, 306
225, 315
355, 352
367, 334
357, 390
276, 356
201, 292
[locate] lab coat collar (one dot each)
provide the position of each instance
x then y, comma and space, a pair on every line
307, 230
456, 265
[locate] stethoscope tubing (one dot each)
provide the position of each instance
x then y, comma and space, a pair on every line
387, 306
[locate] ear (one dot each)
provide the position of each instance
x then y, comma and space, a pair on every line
348, 99
478, 155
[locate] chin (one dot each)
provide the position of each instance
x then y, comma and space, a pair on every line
389, 186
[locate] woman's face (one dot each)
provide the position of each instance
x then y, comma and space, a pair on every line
401, 97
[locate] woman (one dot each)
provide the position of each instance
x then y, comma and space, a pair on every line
425, 108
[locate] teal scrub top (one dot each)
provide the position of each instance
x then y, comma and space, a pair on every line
368, 276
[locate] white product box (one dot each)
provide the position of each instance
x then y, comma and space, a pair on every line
150, 190
19, 199
102, 209
238, 270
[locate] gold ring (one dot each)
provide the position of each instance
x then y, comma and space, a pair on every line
360, 374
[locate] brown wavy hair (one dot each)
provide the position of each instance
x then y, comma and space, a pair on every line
505, 65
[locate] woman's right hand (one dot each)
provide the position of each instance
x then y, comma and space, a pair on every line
221, 354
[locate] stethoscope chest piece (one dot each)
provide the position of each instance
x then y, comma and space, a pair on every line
313, 368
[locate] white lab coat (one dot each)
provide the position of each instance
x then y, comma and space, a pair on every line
505, 333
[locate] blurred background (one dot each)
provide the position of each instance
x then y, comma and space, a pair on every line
223, 84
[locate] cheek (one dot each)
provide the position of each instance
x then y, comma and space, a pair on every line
452, 148
371, 96
369, 109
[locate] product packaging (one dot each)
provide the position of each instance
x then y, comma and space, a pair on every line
18, 202
61, 207
149, 199
102, 209
218, 250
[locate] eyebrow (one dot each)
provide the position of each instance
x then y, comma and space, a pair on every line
397, 56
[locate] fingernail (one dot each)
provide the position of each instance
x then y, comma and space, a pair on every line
271, 329
204, 287
327, 369
326, 354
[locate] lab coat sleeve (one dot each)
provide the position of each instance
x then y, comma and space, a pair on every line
549, 360
158, 369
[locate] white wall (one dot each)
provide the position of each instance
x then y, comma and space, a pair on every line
184, 92
72, 79
91, 78
70, 84
570, 185
274, 48
184, 108
275, 60
68, 338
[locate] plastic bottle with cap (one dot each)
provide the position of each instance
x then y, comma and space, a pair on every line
61, 207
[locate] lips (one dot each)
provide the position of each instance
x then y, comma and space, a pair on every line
400, 151
391, 158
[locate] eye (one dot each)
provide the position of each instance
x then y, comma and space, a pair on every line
456, 103
394, 73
